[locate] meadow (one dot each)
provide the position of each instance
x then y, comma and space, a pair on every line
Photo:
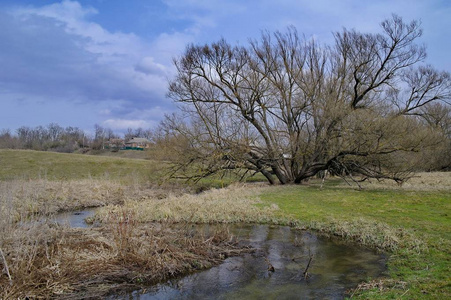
411, 223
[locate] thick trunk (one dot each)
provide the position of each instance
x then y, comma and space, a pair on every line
268, 176
279, 174
310, 172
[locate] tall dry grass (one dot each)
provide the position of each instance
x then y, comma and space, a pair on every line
48, 261
368, 233
22, 198
43, 260
236, 203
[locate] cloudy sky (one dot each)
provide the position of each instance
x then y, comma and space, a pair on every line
108, 62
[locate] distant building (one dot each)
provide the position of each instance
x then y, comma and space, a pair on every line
137, 144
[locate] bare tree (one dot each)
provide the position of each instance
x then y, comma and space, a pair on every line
290, 108
129, 134
8, 140
100, 135
438, 117
55, 132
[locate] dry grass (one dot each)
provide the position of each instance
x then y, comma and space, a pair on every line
369, 233
58, 262
379, 285
21, 198
27, 197
229, 205
433, 181
43, 261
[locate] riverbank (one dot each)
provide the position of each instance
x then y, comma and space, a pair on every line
46, 260
412, 222
412, 225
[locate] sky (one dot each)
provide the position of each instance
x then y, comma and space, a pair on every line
108, 62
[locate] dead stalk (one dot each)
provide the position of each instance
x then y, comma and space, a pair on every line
6, 267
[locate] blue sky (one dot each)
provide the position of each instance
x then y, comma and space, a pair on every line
107, 62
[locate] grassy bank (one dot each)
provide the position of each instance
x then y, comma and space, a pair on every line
413, 223
44, 260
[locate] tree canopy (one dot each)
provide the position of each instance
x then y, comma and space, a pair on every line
290, 108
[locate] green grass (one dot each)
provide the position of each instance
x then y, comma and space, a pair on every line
403, 218
124, 165
27, 164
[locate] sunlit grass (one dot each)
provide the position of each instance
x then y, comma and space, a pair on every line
412, 223
27, 164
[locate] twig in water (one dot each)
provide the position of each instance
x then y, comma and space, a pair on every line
305, 273
270, 266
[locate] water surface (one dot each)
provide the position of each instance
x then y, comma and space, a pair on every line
75, 218
334, 269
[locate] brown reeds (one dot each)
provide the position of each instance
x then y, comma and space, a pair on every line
234, 204
41, 260
48, 261
28, 197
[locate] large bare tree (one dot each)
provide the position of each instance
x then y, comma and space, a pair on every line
290, 108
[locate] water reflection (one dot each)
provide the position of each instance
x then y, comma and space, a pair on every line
334, 269
75, 218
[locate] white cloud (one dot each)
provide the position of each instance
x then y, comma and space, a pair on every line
67, 11
147, 65
123, 124
116, 54
56, 52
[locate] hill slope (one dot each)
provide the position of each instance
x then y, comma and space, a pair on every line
27, 164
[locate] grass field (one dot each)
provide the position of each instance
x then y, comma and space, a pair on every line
28, 164
412, 222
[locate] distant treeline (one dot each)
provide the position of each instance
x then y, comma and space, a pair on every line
171, 146
53, 137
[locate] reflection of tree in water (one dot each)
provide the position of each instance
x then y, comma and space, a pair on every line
335, 268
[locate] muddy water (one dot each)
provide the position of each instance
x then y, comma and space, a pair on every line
334, 269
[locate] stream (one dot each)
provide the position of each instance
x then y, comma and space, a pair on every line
274, 271
75, 218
